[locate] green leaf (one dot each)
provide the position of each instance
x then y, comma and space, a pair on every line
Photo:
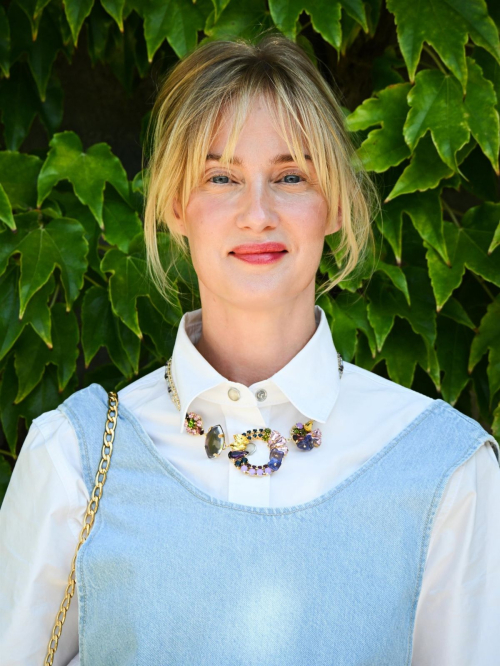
5, 474
4, 43
347, 314
129, 280
385, 302
115, 9
154, 325
245, 19
101, 328
37, 312
397, 277
32, 354
325, 16
402, 350
490, 68
456, 311
178, 21
425, 171
467, 248
436, 105
61, 243
18, 175
219, 6
18, 101
445, 25
495, 242
482, 116
488, 338
73, 208
9, 412
425, 212
66, 336
76, 13
6, 209
383, 147
88, 172
453, 344
31, 357
131, 344
41, 48
121, 223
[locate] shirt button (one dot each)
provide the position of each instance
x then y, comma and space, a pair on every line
261, 395
233, 393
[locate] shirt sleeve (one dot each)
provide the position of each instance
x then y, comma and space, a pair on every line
40, 521
457, 620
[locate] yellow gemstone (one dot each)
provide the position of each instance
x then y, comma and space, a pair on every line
308, 426
240, 443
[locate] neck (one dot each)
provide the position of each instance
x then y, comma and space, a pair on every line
250, 346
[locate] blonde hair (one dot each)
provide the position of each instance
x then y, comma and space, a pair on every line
222, 75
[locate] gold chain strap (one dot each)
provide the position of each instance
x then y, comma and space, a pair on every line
88, 521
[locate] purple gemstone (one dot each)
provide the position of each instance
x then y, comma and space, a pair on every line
244, 468
234, 455
251, 471
269, 470
260, 472
299, 425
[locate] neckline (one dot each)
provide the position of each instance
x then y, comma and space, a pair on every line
172, 471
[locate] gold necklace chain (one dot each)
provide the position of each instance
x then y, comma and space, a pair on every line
173, 390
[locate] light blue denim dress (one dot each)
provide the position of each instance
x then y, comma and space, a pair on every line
171, 575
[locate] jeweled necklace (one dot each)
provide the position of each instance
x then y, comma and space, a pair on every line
302, 434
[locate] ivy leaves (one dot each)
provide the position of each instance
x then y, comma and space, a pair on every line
88, 172
446, 25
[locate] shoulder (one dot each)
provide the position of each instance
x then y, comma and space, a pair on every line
393, 407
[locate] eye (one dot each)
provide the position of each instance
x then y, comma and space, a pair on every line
298, 178
217, 179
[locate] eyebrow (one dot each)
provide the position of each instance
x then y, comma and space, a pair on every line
278, 159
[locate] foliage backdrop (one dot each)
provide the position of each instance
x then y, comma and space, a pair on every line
419, 84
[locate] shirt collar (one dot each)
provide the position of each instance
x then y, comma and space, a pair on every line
310, 381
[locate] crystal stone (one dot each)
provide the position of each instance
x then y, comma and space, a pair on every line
234, 455
306, 443
276, 439
214, 441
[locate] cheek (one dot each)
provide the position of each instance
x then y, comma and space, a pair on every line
308, 218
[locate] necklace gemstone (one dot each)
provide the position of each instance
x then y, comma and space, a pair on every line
215, 441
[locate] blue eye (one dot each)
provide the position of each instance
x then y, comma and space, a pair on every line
292, 175
218, 181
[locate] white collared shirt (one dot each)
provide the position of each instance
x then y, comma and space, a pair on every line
358, 414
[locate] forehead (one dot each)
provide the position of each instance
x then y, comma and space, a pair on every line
243, 126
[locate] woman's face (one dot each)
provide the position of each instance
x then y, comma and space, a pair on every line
264, 198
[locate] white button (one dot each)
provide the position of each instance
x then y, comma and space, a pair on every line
261, 395
233, 393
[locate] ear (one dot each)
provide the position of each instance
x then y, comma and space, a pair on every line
335, 224
179, 223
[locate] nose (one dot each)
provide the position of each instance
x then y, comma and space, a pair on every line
257, 211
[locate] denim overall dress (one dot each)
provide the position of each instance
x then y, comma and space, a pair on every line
170, 575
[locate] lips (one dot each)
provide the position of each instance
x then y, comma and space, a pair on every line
259, 253
258, 248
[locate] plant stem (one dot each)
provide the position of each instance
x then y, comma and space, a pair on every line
89, 279
435, 58
54, 297
8, 453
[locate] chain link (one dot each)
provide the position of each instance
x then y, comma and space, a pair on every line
88, 521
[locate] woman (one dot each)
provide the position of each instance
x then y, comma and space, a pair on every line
368, 537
